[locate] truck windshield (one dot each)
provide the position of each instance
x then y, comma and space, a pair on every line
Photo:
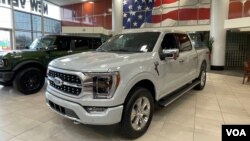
132, 42
43, 42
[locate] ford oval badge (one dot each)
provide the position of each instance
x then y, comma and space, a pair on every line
58, 81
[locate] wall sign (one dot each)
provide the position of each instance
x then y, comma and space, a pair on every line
34, 6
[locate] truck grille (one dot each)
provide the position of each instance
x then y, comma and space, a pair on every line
65, 77
67, 83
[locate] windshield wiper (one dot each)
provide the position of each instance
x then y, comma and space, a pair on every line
101, 50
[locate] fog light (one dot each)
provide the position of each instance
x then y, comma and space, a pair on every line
95, 109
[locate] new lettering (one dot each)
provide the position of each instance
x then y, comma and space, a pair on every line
35, 5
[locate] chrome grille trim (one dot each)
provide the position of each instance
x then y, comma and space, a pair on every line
80, 75
67, 83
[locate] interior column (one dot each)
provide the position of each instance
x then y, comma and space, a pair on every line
219, 12
117, 7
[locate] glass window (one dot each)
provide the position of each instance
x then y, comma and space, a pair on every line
108, 22
22, 20
81, 43
5, 40
36, 35
36, 23
199, 39
126, 21
87, 43
44, 42
52, 26
131, 42
23, 39
63, 43
168, 42
95, 43
185, 44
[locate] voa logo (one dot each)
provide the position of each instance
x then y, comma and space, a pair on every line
236, 132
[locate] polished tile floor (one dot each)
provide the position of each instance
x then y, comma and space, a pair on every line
197, 116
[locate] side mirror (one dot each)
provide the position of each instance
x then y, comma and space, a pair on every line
169, 53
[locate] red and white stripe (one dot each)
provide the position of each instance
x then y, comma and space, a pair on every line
167, 13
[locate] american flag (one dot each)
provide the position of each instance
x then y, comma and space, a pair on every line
153, 13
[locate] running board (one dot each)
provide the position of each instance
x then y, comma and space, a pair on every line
177, 94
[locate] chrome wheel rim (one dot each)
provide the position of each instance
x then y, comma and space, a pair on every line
203, 78
140, 113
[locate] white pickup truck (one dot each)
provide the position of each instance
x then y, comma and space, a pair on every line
122, 80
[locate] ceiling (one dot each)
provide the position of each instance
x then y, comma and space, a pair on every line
64, 2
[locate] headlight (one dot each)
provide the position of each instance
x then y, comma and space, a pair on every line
101, 85
3, 63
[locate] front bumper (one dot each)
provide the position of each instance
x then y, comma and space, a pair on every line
78, 113
6, 76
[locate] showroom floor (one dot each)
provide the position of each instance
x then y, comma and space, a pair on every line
197, 116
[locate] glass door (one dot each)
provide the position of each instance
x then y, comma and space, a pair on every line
5, 40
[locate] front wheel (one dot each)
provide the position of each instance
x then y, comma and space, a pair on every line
202, 77
29, 81
137, 114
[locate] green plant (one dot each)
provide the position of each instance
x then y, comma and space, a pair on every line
210, 43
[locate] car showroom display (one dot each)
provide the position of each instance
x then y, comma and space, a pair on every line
122, 80
26, 69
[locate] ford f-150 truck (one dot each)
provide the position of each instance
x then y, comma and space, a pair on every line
26, 69
122, 80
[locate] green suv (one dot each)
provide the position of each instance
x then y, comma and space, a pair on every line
26, 69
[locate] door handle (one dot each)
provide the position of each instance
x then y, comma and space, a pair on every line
181, 60
195, 57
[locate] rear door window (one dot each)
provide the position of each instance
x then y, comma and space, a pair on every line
81, 43
184, 42
63, 43
95, 43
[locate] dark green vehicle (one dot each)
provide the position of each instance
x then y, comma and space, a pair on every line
26, 69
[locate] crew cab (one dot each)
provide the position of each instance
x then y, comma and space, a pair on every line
124, 78
26, 69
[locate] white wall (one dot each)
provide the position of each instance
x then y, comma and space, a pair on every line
81, 29
237, 23
5, 20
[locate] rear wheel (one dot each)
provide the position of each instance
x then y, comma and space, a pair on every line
137, 114
29, 81
202, 77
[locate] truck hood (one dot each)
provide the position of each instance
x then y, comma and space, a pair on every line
98, 61
15, 52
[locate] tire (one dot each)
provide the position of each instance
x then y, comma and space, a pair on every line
29, 81
202, 77
131, 113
